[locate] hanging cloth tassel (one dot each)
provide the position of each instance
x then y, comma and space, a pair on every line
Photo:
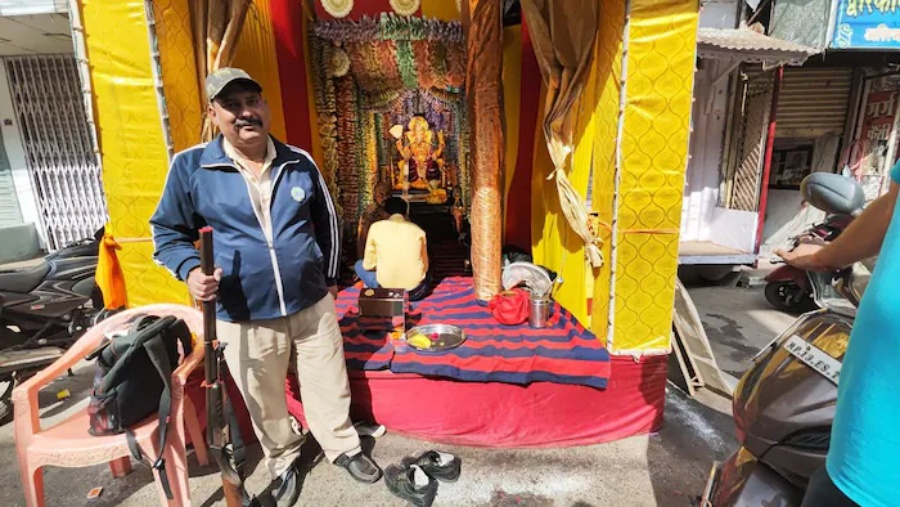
109, 275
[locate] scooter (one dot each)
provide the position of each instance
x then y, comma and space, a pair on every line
787, 288
43, 310
784, 404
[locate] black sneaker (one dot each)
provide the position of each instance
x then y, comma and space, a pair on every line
440, 465
360, 467
412, 484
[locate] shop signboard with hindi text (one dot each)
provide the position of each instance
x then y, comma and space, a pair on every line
867, 24
876, 128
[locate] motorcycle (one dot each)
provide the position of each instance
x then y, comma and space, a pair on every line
43, 310
787, 288
784, 404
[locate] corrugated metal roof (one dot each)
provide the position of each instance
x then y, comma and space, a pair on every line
749, 46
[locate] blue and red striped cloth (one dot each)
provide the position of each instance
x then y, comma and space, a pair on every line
564, 352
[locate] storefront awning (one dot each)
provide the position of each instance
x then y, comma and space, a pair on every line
743, 45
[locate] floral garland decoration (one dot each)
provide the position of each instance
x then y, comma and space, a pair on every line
436, 95
380, 149
347, 159
380, 101
390, 27
393, 51
462, 127
359, 146
407, 64
338, 8
405, 7
371, 158
327, 118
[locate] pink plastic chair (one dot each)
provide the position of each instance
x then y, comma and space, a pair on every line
68, 443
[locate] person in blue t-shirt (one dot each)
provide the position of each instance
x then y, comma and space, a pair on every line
863, 464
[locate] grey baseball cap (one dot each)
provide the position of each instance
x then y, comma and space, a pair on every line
218, 80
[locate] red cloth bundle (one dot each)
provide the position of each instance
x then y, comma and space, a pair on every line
510, 308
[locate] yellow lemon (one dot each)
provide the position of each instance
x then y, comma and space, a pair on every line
420, 341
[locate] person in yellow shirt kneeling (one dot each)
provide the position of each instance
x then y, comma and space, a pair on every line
396, 254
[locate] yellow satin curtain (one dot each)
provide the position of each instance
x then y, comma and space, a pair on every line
659, 92
255, 53
659, 84
564, 35
128, 119
609, 73
129, 129
555, 244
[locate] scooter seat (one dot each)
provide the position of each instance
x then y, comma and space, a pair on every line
23, 281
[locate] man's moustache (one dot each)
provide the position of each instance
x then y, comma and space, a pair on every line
245, 122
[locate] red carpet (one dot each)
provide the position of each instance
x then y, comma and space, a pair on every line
494, 414
501, 415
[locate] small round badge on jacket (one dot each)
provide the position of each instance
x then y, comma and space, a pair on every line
298, 194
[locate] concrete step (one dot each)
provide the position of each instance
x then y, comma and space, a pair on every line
20, 243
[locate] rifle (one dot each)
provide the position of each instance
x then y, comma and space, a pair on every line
222, 433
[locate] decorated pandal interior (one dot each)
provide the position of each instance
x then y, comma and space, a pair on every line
393, 90
450, 114
399, 110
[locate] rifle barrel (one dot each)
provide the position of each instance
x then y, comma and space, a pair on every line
207, 266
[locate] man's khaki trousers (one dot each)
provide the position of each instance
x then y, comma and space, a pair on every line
258, 354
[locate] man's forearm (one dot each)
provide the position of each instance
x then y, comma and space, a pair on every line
863, 238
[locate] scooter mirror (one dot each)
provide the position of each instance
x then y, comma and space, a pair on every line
833, 193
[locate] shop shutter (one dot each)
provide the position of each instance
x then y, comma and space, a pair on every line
813, 102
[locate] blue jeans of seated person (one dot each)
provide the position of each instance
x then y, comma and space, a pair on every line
370, 279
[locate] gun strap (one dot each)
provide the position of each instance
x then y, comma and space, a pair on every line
238, 450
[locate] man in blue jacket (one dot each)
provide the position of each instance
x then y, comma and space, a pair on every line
276, 248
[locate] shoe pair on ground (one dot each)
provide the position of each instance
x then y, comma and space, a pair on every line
288, 485
415, 479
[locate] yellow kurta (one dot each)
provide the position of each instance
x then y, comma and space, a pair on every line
396, 250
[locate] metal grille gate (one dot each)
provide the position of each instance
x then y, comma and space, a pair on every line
750, 144
64, 169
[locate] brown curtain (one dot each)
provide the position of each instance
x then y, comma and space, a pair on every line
217, 26
483, 23
563, 34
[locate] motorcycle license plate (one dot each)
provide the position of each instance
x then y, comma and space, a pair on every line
814, 357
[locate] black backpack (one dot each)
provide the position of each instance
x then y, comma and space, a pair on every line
134, 381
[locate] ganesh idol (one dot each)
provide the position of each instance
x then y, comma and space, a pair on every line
421, 166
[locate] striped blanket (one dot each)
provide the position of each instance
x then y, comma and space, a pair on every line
564, 352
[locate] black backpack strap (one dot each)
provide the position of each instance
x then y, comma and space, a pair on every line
156, 351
